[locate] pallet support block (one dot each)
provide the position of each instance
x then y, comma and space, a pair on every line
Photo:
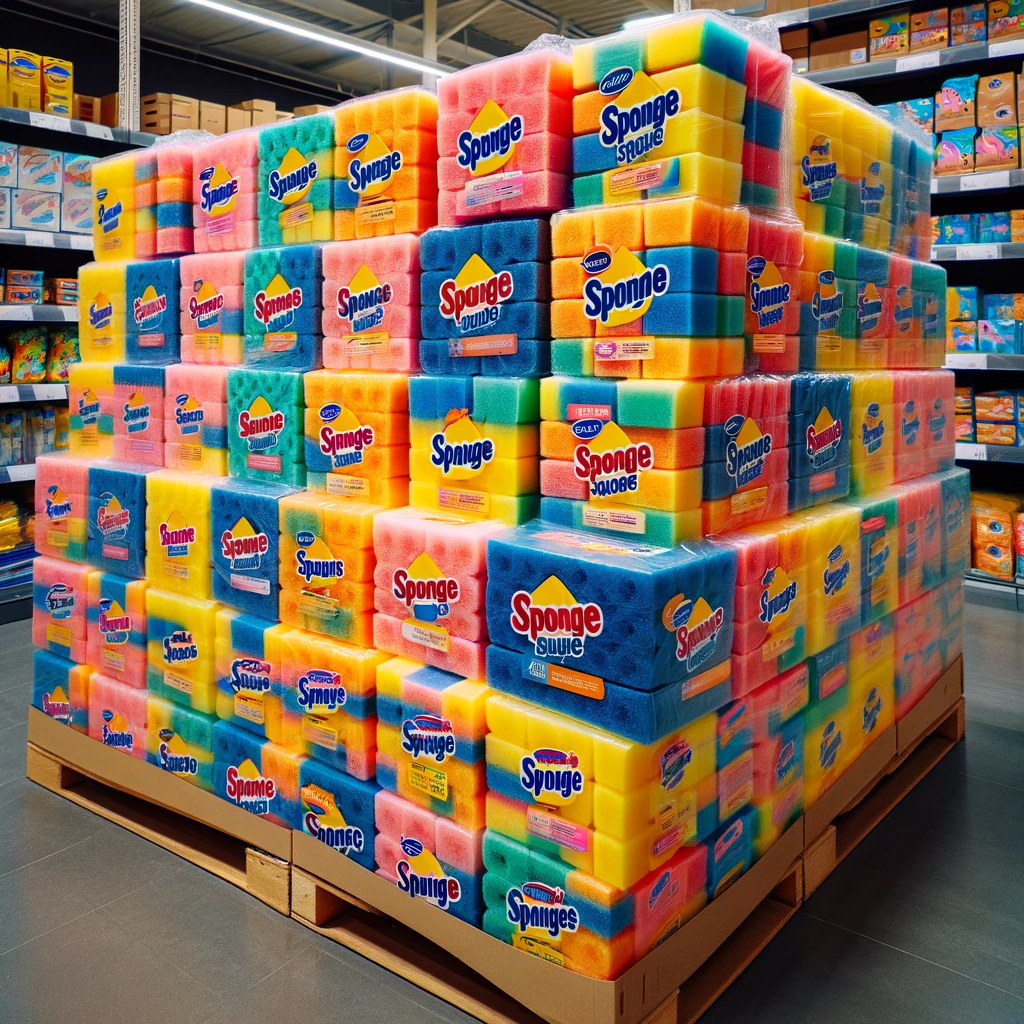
233, 844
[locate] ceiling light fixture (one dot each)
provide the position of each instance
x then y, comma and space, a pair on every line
643, 22
324, 36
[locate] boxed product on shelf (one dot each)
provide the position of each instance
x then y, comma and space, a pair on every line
841, 51
76, 215
997, 100
992, 227
968, 24
35, 211
40, 169
889, 37
997, 149
965, 428
992, 532
995, 433
954, 152
929, 30
77, 178
1005, 19
58, 77
1003, 336
5, 212
962, 303
964, 401
1018, 544
995, 406
24, 80
8, 164
955, 104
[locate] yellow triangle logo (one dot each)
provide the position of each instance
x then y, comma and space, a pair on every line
823, 421
115, 610
701, 613
491, 117
363, 280
474, 271
374, 150
610, 438
748, 433
292, 162
424, 568
247, 770
243, 528
278, 286
624, 265
553, 593
259, 407
321, 803
59, 696
113, 506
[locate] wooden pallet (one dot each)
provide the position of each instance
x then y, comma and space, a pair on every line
139, 797
905, 771
352, 922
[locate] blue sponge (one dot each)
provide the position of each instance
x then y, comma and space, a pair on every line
507, 242
590, 156
732, 857
762, 125
301, 352
117, 518
691, 267
244, 527
50, 671
174, 215
294, 302
152, 290
812, 395
525, 319
683, 314
640, 616
338, 810
825, 486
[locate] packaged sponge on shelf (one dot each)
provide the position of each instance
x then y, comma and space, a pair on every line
504, 135
385, 164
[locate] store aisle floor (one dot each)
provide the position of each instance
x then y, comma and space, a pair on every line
924, 922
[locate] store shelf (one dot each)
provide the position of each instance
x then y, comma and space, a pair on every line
983, 361
919, 62
17, 474
39, 314
994, 593
46, 240
978, 251
804, 16
33, 393
68, 126
967, 452
981, 181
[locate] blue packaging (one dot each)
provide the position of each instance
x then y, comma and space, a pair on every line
1001, 336
997, 307
993, 227
962, 303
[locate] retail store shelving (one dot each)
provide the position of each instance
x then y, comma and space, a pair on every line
46, 240
967, 451
33, 393
978, 251
979, 181
68, 126
38, 314
983, 361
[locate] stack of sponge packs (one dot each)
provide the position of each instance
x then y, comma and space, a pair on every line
524, 489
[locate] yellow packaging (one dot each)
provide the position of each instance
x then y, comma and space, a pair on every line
58, 86
24, 80
4, 99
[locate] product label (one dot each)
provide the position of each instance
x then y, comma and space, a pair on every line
490, 141
818, 169
474, 298
540, 911
459, 450
217, 198
205, 305
869, 306
420, 874
696, 626
290, 183
619, 520
484, 345
274, 307
348, 486
557, 830
619, 288
769, 293
823, 439
746, 450
176, 536
428, 780
872, 190
114, 624
872, 430
57, 706
827, 304
249, 789
476, 503
553, 620
116, 731
58, 505
633, 123
320, 690
260, 426
174, 755
322, 819
624, 348
372, 166
607, 460
363, 303
148, 308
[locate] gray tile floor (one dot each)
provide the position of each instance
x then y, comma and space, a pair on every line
923, 923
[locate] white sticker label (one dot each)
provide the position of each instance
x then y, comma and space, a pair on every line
98, 131
19, 473
16, 312
51, 121
1006, 48
966, 360
971, 452
49, 392
977, 252
40, 238
917, 60
985, 180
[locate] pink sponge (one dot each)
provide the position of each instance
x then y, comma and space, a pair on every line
60, 600
117, 715
212, 285
463, 657
173, 240
767, 75
174, 162
203, 383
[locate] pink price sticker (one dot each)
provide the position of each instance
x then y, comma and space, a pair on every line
577, 411
557, 830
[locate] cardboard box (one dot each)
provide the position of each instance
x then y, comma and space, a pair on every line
5, 207
955, 152
968, 25
163, 113
4, 98
76, 215
1005, 19
547, 989
955, 104
283, 115
929, 30
838, 51
996, 101
24, 80
212, 117
319, 108
262, 111
87, 108
58, 86
40, 169
237, 118
35, 211
8, 164
889, 37
77, 175
110, 115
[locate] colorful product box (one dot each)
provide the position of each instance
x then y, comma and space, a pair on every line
889, 37
77, 176
1005, 19
5, 209
967, 24
997, 149
24, 80
995, 406
955, 104
919, 112
965, 428
1001, 336
996, 433
58, 86
997, 101
962, 303
40, 169
8, 164
929, 30
955, 152
962, 336
964, 402
35, 211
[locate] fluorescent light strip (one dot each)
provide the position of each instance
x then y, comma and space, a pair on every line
641, 22
326, 37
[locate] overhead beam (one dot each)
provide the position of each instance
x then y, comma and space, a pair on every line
468, 20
